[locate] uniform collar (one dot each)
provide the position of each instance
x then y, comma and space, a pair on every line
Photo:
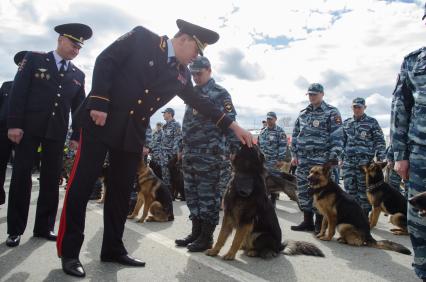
170, 50
361, 118
208, 86
58, 59
323, 107
170, 121
273, 128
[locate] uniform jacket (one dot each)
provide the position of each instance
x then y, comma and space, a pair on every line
5, 90
41, 99
273, 143
131, 80
171, 138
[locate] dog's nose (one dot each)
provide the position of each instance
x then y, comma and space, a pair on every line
411, 201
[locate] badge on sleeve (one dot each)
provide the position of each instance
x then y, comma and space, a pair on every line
227, 104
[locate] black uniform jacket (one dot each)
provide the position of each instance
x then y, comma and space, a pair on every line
5, 89
131, 80
42, 99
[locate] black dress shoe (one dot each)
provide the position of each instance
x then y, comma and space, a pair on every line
51, 236
124, 260
73, 267
13, 240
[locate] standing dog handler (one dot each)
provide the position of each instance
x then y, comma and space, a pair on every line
136, 75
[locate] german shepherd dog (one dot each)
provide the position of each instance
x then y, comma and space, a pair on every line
176, 178
384, 198
153, 195
249, 210
342, 211
419, 202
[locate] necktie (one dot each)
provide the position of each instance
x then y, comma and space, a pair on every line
62, 68
172, 61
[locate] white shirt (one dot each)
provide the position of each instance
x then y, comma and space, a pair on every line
58, 60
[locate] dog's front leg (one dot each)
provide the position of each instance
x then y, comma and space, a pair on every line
137, 207
225, 230
374, 216
239, 237
324, 224
332, 221
146, 207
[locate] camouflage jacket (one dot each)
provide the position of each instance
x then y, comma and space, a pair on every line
273, 143
172, 135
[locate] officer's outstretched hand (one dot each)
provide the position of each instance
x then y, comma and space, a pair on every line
98, 117
15, 135
245, 137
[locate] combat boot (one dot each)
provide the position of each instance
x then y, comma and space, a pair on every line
307, 223
205, 240
318, 222
196, 231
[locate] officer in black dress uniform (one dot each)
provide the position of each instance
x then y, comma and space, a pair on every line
46, 88
6, 145
136, 75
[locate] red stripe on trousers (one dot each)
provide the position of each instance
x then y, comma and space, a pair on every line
63, 222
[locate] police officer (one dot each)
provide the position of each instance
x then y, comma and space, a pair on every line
362, 141
155, 149
202, 147
46, 87
409, 143
172, 135
273, 143
317, 138
136, 75
6, 145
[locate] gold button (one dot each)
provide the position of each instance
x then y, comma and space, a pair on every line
60, 86
146, 91
151, 109
59, 94
143, 118
62, 75
158, 98
132, 112
56, 104
139, 101
53, 113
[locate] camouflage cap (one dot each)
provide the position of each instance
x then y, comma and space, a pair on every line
169, 110
199, 64
358, 102
271, 115
315, 88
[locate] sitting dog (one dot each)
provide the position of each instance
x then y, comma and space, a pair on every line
342, 211
154, 196
384, 198
176, 178
249, 210
419, 202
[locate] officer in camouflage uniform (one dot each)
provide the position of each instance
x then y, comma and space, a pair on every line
155, 149
273, 143
203, 146
393, 179
362, 141
172, 134
226, 168
317, 138
408, 128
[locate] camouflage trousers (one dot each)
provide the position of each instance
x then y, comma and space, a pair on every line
201, 174
302, 172
225, 176
417, 224
354, 181
165, 172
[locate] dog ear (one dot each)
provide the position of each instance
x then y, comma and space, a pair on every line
382, 164
364, 168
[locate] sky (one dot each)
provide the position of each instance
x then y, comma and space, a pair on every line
268, 52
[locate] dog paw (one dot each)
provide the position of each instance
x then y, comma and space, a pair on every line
319, 235
251, 253
141, 220
325, 238
229, 256
211, 252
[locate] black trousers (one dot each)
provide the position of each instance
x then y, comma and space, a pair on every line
87, 168
6, 147
20, 185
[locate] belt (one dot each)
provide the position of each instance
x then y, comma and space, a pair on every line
202, 150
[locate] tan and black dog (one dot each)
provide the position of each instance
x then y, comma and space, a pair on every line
419, 202
341, 211
384, 198
154, 196
249, 210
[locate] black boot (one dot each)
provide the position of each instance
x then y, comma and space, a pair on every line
318, 222
196, 231
307, 223
205, 240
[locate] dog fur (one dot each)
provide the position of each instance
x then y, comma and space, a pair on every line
176, 178
341, 211
249, 210
384, 198
154, 196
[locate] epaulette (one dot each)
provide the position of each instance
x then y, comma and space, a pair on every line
163, 43
415, 53
39, 52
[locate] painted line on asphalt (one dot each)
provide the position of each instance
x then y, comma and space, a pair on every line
216, 264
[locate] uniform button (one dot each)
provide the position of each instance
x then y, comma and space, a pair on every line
143, 118
62, 75
53, 113
132, 112
146, 91
158, 98
139, 101
60, 86
151, 109
56, 104
59, 94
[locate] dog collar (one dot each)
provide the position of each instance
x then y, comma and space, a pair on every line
370, 188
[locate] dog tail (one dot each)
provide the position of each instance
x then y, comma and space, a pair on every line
390, 246
290, 247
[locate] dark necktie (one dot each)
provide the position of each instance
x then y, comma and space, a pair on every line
172, 62
62, 68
